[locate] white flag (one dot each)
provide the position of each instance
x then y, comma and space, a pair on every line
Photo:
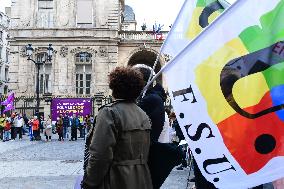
194, 16
227, 88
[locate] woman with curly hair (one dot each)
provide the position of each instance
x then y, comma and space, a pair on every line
121, 138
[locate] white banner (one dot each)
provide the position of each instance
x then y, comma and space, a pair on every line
227, 90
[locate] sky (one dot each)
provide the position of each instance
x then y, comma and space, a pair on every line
162, 12
3, 4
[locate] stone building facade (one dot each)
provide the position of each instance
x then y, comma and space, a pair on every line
88, 40
4, 52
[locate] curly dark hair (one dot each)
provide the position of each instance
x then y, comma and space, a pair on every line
126, 83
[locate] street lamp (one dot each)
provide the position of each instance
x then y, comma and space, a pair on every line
29, 52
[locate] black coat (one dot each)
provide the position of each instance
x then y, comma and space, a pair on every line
162, 157
178, 130
153, 105
66, 121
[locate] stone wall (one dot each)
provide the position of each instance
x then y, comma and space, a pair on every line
4, 47
102, 40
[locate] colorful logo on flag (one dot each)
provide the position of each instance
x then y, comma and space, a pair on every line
245, 94
204, 13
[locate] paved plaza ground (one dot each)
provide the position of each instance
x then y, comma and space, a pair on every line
52, 165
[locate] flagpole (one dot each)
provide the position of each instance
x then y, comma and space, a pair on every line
1, 105
151, 75
149, 82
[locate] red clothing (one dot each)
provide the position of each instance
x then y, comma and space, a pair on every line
7, 126
35, 125
59, 127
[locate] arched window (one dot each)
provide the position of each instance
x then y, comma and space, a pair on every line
83, 57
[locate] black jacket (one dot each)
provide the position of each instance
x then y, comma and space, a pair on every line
178, 130
153, 105
66, 121
163, 157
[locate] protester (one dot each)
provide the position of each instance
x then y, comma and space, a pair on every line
88, 123
7, 129
66, 124
165, 134
92, 119
153, 104
35, 128
2, 125
31, 133
81, 128
12, 121
176, 127
59, 128
48, 129
26, 124
41, 123
69, 129
120, 143
18, 123
179, 138
75, 125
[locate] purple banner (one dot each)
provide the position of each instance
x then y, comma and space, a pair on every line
70, 106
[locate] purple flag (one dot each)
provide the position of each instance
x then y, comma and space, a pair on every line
9, 100
9, 107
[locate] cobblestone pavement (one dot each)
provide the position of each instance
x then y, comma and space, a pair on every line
52, 165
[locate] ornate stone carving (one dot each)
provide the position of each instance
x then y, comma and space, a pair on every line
103, 52
144, 46
84, 49
63, 51
40, 50
43, 50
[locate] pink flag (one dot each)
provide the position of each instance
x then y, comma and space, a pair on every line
9, 100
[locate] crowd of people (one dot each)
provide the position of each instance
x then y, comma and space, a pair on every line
66, 127
134, 142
